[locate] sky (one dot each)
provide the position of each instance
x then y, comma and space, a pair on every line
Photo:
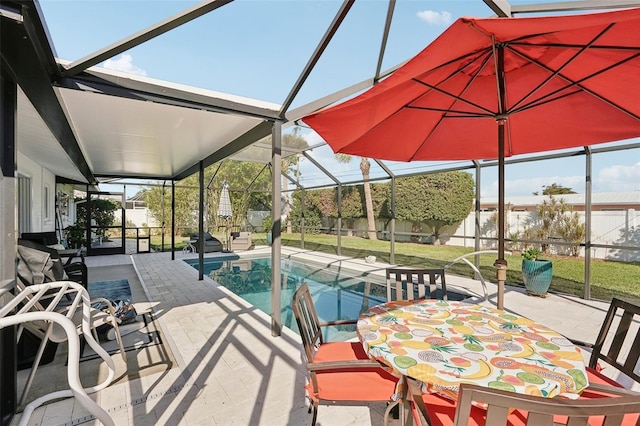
258, 48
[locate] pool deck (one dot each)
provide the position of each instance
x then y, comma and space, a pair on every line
230, 370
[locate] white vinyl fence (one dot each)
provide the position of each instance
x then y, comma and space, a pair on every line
607, 228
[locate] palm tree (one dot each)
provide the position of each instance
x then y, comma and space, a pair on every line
365, 167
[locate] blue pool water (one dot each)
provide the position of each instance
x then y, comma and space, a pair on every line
337, 295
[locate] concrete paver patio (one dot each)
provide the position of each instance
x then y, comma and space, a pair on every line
231, 370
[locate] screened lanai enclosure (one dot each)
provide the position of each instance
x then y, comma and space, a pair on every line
185, 142
155, 145
324, 207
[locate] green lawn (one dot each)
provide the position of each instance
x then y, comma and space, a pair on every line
608, 278
156, 242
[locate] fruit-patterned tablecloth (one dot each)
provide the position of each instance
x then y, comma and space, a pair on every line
444, 344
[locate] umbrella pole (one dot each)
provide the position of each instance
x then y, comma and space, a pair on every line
500, 263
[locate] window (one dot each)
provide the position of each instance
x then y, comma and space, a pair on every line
24, 204
46, 203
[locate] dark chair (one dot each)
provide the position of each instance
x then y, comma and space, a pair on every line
211, 243
38, 269
610, 344
505, 408
410, 284
46, 238
338, 371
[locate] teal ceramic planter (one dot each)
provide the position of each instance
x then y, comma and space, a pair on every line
537, 275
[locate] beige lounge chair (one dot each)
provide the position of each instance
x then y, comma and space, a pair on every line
241, 241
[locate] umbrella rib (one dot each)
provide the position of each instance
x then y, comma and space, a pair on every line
578, 84
578, 46
465, 114
454, 97
557, 71
485, 58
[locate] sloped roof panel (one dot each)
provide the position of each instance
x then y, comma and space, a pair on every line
134, 138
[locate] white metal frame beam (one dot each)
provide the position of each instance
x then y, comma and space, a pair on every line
142, 36
315, 57
502, 8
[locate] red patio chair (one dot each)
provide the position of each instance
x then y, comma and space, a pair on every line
513, 409
338, 371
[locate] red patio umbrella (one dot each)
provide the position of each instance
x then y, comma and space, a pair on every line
496, 87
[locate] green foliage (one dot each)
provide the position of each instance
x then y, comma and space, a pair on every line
514, 245
436, 200
267, 224
557, 219
353, 203
312, 213
571, 230
158, 201
312, 221
102, 212
365, 168
76, 236
549, 212
531, 253
296, 142
239, 176
439, 200
325, 201
555, 189
607, 278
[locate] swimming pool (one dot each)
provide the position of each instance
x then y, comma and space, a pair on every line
337, 294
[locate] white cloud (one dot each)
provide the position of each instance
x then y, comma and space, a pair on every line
618, 178
125, 64
312, 176
432, 17
312, 138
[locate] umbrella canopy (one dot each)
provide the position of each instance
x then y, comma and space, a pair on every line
497, 87
224, 206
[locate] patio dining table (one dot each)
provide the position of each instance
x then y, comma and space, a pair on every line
446, 343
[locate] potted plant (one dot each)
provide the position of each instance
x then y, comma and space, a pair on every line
76, 236
536, 272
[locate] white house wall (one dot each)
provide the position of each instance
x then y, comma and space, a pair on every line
140, 217
40, 177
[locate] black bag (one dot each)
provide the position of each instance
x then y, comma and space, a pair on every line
125, 313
